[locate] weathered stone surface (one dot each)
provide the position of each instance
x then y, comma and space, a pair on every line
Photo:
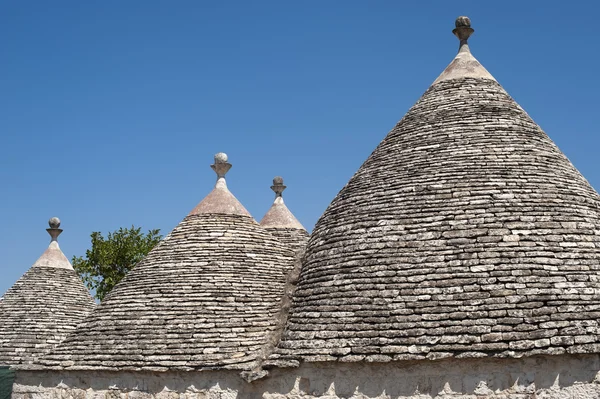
207, 297
295, 238
466, 232
460, 261
41, 308
574, 377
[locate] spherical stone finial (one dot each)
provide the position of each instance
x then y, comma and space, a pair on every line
463, 29
277, 180
54, 230
221, 166
54, 222
220, 157
462, 21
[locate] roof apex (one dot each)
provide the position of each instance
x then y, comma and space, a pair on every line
464, 65
220, 199
279, 216
53, 256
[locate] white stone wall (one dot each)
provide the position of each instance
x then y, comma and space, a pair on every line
535, 377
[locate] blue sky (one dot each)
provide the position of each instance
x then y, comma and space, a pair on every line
111, 111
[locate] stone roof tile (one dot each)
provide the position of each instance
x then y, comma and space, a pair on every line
206, 297
466, 233
42, 307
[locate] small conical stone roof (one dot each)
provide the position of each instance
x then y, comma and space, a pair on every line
42, 307
466, 233
206, 297
282, 223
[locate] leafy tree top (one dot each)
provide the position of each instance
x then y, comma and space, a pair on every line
111, 258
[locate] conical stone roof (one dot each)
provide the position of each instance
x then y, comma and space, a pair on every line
466, 233
206, 297
42, 307
282, 223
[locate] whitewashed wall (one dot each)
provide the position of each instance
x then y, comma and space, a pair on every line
536, 377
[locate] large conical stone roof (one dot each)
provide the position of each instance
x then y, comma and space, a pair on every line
42, 307
466, 233
206, 297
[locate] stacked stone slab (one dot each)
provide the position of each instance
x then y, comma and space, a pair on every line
466, 233
282, 223
42, 307
466, 238
207, 297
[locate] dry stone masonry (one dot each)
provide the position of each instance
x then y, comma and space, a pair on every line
461, 261
42, 307
466, 233
207, 297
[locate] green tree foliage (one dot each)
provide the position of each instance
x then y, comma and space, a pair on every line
111, 258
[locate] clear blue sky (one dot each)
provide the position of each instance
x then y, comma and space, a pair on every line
111, 111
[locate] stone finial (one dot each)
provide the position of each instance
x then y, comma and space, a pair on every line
220, 200
54, 230
464, 65
463, 29
462, 21
278, 186
279, 216
221, 166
